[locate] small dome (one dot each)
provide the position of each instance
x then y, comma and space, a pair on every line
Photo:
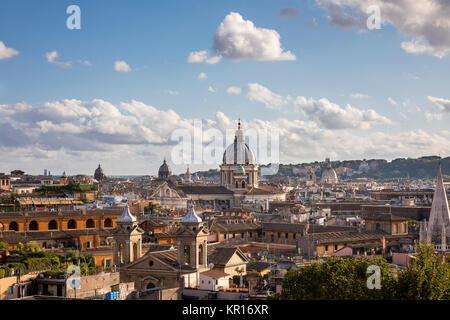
239, 152
241, 170
164, 171
99, 174
191, 216
126, 216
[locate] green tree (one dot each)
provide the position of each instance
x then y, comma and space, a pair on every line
3, 245
426, 278
338, 279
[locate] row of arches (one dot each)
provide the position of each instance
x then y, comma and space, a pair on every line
53, 225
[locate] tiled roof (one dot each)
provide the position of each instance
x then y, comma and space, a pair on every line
234, 227
258, 266
64, 213
283, 227
263, 190
205, 190
347, 236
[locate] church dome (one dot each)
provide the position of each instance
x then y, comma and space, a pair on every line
191, 216
239, 152
126, 216
99, 174
241, 170
329, 174
164, 171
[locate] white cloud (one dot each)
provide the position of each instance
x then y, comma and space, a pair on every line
433, 116
53, 55
442, 104
425, 22
202, 56
359, 96
78, 133
239, 39
392, 101
259, 93
234, 90
171, 92
211, 89
202, 75
121, 66
6, 52
332, 116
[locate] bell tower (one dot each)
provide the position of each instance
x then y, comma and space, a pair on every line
127, 239
192, 241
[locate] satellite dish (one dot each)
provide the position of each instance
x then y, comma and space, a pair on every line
211, 265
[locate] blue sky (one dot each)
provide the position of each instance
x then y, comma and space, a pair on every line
155, 38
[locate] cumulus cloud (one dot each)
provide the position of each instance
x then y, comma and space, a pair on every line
233, 90
239, 39
211, 89
359, 96
78, 133
259, 93
121, 66
332, 116
392, 101
202, 76
53, 55
433, 116
425, 22
171, 92
202, 57
6, 53
442, 104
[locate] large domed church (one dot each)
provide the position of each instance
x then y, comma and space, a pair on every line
238, 183
239, 169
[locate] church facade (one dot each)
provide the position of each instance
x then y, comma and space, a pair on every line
162, 274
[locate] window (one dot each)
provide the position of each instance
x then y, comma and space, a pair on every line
150, 263
335, 247
13, 226
286, 235
107, 262
242, 235
224, 235
10, 289
52, 225
294, 236
272, 238
72, 224
107, 223
326, 248
90, 224
234, 235
251, 234
33, 226
279, 235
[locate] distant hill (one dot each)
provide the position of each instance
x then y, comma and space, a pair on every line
380, 169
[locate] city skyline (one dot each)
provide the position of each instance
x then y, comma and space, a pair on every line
114, 91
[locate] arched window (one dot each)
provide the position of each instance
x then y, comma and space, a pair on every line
72, 224
150, 286
108, 223
187, 255
13, 226
52, 225
90, 224
200, 254
135, 251
237, 184
33, 226
243, 184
